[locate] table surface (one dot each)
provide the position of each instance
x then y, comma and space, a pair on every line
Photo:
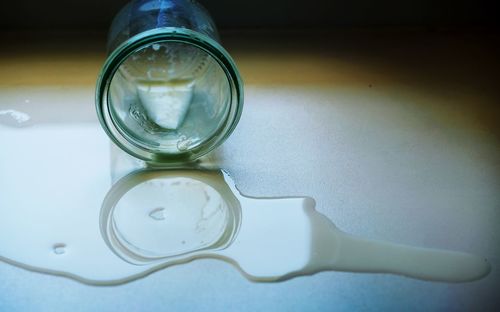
395, 135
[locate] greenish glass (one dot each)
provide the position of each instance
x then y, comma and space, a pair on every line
168, 91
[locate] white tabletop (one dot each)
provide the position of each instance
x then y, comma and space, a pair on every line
391, 148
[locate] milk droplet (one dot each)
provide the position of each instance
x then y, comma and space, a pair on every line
158, 214
156, 47
183, 143
20, 117
59, 249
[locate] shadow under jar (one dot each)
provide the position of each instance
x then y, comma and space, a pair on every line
168, 91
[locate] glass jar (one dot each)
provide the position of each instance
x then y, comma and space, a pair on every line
168, 91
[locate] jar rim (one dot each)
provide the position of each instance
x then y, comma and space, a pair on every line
168, 34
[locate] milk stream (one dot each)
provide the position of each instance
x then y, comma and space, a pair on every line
104, 218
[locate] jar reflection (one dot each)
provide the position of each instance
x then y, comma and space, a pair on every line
157, 215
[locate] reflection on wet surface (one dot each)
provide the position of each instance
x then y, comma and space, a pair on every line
103, 217
151, 215
204, 215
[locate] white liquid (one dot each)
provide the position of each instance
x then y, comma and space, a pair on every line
54, 216
166, 103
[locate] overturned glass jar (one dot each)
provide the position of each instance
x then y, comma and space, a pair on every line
168, 91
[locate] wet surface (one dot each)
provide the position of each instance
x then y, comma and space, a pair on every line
131, 220
151, 219
395, 142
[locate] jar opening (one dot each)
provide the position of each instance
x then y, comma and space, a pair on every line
169, 95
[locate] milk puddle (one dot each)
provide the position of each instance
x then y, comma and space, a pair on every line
71, 207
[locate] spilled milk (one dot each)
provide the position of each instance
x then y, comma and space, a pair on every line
101, 217
268, 239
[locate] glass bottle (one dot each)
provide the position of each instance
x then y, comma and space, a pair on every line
168, 91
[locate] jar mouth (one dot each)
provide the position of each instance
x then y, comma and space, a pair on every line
149, 147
